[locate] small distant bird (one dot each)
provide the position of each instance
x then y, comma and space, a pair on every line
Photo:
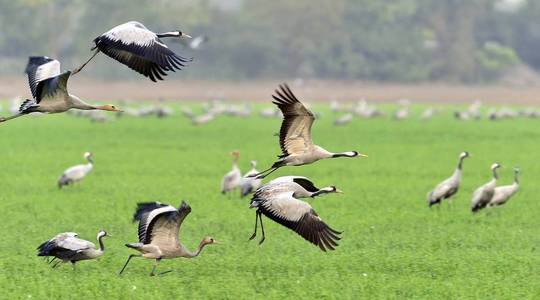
450, 186
279, 201
49, 90
428, 113
343, 120
482, 196
502, 194
76, 173
295, 135
248, 183
159, 225
69, 248
202, 119
133, 45
231, 180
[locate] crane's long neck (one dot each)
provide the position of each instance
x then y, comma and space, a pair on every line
90, 160
460, 163
345, 154
495, 175
325, 190
80, 104
197, 251
516, 178
169, 34
101, 245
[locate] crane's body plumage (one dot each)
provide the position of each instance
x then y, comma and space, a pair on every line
448, 187
159, 227
295, 140
502, 194
482, 195
279, 202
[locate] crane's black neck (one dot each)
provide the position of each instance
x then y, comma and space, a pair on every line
516, 179
101, 245
169, 34
345, 154
460, 163
495, 175
323, 191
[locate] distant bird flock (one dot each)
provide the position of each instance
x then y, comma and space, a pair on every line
279, 200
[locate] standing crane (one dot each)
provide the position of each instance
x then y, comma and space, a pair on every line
450, 186
295, 134
69, 248
49, 90
279, 201
482, 195
159, 225
249, 184
502, 194
76, 173
133, 45
231, 180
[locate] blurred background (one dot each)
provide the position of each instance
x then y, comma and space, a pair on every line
352, 43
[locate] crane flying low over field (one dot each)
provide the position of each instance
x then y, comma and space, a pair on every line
279, 201
159, 225
49, 90
295, 134
133, 45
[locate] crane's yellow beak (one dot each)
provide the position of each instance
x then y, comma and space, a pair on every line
339, 191
362, 155
216, 242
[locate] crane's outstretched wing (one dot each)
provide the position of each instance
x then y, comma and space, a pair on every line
301, 218
40, 68
160, 223
53, 88
140, 49
295, 132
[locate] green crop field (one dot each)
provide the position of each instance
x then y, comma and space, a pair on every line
393, 245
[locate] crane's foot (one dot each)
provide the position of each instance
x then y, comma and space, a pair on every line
262, 240
253, 236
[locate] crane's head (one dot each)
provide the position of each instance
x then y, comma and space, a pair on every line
495, 166
102, 233
87, 155
235, 154
108, 107
208, 240
464, 154
326, 190
183, 34
253, 163
516, 170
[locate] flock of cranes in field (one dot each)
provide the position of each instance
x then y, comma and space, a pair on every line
279, 200
487, 195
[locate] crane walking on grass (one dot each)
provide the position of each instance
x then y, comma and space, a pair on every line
502, 194
482, 196
49, 90
159, 225
69, 248
450, 186
295, 135
133, 45
279, 201
76, 173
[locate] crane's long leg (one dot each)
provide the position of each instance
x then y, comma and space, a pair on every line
73, 265
127, 262
262, 174
155, 266
83, 65
56, 264
2, 119
262, 229
256, 222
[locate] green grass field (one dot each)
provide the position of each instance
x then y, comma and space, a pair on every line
393, 245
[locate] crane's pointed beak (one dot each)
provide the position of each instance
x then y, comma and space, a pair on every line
186, 35
339, 191
217, 242
362, 155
